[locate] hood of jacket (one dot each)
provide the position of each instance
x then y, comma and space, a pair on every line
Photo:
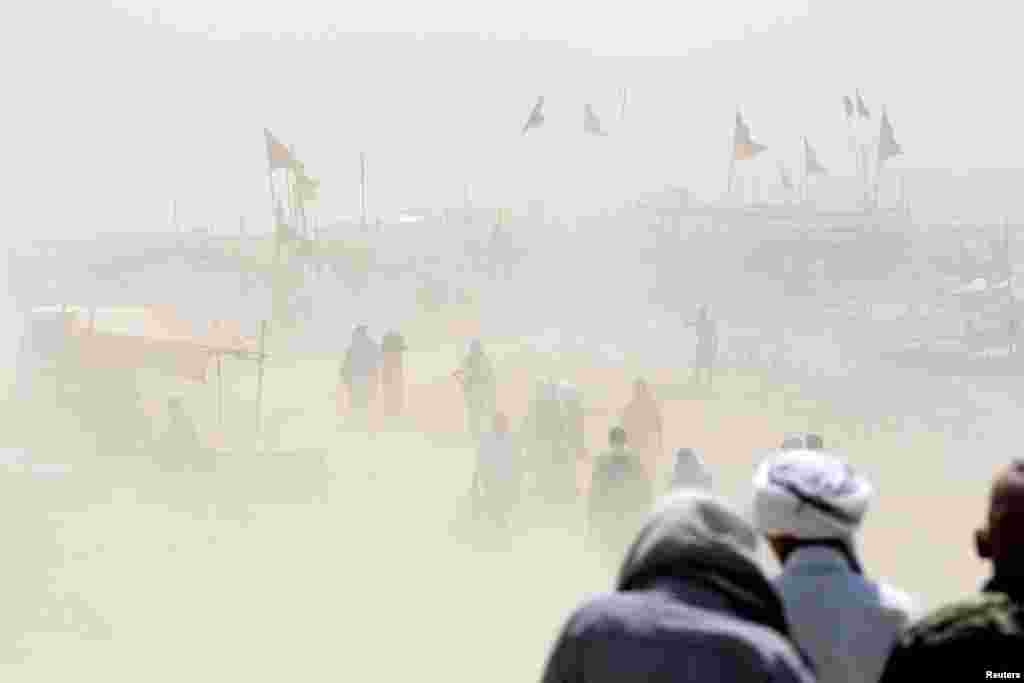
693, 536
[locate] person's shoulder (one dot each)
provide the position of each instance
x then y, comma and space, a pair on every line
895, 599
628, 614
981, 616
779, 659
598, 611
618, 462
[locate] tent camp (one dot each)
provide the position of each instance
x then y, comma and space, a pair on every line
144, 355
155, 342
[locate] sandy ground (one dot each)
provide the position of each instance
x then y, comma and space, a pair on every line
370, 584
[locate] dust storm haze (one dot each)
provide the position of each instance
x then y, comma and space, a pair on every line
205, 200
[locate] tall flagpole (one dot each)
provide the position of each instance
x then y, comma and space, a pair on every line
851, 127
174, 215
805, 182
732, 174
273, 199
732, 167
866, 150
290, 185
866, 165
363, 190
878, 178
261, 358
878, 163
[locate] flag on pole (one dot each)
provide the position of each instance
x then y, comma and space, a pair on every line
785, 178
887, 145
307, 189
536, 119
592, 124
278, 156
862, 109
812, 166
744, 147
848, 106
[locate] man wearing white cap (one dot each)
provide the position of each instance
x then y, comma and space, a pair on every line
810, 504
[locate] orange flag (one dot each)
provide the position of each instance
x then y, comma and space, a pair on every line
744, 146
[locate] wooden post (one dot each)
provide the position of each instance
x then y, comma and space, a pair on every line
1006, 246
878, 178
852, 130
220, 393
732, 161
289, 179
259, 377
363, 190
732, 175
243, 275
274, 204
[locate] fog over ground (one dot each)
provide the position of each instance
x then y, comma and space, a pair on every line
319, 549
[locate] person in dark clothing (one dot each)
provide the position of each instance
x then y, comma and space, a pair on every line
360, 371
621, 496
707, 347
392, 374
479, 388
691, 605
983, 634
180, 446
553, 445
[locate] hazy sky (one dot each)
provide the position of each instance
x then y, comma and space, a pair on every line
117, 110
636, 28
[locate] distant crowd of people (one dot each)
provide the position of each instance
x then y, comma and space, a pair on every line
691, 601
535, 468
372, 376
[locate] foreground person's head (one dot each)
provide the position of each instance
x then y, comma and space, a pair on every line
1001, 540
810, 497
695, 536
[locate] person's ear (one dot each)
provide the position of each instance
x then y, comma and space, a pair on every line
983, 544
778, 547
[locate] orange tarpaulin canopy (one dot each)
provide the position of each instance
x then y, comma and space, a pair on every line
153, 336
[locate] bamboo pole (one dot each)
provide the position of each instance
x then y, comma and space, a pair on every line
259, 377
362, 190
243, 275
220, 393
732, 173
273, 198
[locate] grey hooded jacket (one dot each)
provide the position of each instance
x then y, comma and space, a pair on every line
691, 605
